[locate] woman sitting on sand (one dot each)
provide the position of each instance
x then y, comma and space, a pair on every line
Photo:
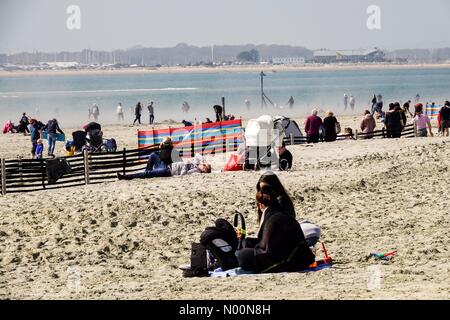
280, 245
158, 164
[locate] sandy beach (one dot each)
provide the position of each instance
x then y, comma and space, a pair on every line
126, 239
219, 69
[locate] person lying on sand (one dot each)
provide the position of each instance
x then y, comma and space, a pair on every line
160, 164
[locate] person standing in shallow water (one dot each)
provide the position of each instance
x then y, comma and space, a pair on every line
151, 112
137, 113
290, 102
119, 112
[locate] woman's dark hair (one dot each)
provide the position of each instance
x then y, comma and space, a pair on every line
419, 109
273, 194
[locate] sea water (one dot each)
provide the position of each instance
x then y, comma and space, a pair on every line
68, 97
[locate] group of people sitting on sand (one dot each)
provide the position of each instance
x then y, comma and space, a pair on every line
393, 121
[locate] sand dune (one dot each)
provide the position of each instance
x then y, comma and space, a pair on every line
125, 239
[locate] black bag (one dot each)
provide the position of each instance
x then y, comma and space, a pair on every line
223, 242
56, 168
199, 264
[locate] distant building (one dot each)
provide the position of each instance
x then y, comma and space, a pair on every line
351, 56
62, 65
288, 60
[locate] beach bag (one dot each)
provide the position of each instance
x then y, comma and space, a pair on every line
56, 168
221, 240
338, 128
311, 232
199, 262
233, 164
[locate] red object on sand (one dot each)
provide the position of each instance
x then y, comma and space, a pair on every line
327, 259
390, 253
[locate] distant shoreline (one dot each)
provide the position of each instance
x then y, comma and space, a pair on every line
224, 69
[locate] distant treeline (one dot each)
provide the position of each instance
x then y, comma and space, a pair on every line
184, 54
181, 54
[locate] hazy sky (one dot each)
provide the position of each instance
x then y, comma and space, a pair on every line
28, 25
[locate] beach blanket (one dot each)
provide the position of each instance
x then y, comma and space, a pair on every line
59, 136
219, 273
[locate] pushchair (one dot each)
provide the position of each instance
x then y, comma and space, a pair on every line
96, 143
261, 140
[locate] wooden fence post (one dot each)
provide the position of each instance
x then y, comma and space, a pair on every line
20, 165
3, 170
124, 159
192, 144
292, 138
415, 129
383, 132
86, 166
223, 108
42, 172
356, 134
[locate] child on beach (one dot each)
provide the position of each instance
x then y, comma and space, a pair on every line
39, 149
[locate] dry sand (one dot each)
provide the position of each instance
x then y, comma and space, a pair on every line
125, 239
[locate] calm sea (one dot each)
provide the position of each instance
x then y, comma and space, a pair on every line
69, 97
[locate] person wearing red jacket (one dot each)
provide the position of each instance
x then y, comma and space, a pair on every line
312, 127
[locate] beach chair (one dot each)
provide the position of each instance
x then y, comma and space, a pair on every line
95, 141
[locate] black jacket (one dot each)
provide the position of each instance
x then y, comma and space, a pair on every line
280, 246
52, 126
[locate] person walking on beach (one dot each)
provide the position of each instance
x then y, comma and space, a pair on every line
119, 112
312, 126
95, 111
444, 115
52, 127
247, 104
421, 122
151, 112
417, 98
352, 102
137, 113
368, 125
290, 102
218, 110
23, 124
406, 106
379, 106
345, 101
185, 107
35, 135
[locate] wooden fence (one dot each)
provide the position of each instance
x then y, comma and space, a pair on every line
25, 175
408, 132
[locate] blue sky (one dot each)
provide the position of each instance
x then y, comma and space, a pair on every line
28, 25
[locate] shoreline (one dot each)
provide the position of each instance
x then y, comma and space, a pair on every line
225, 69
